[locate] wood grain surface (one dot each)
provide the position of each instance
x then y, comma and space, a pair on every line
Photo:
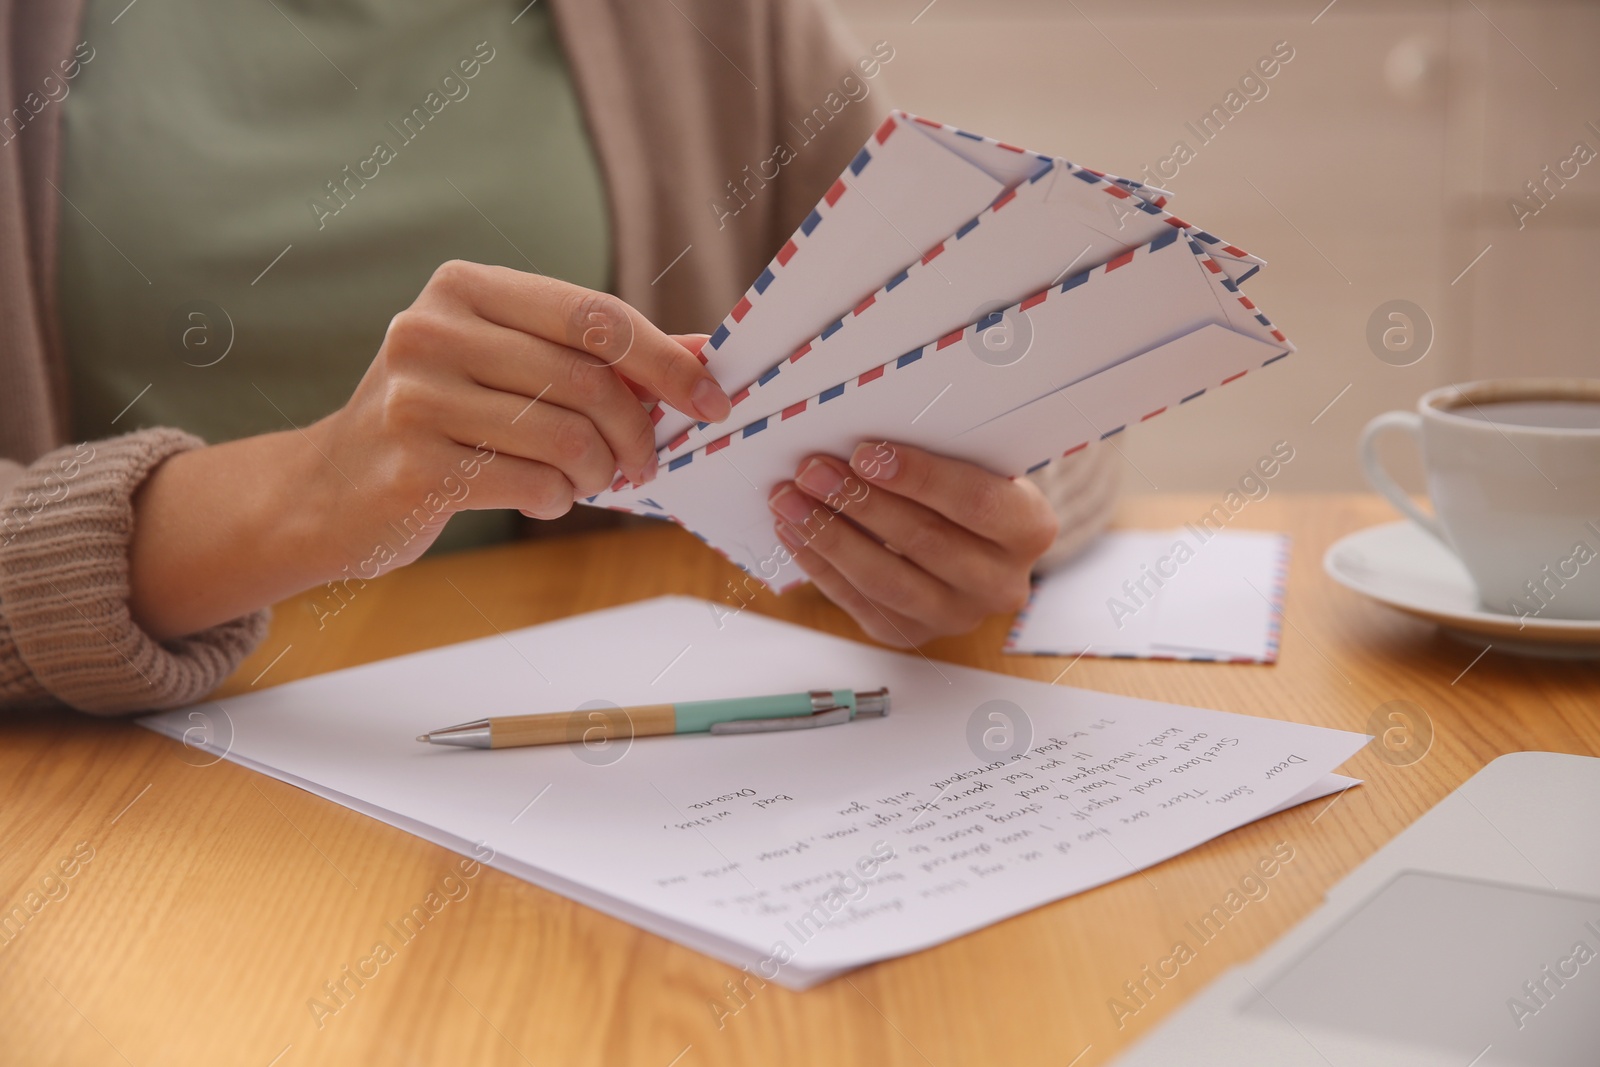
207, 907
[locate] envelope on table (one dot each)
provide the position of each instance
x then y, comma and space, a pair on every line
909, 189
1151, 329
1185, 594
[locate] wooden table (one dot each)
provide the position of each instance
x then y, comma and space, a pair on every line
217, 902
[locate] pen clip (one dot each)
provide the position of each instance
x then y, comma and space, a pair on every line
821, 717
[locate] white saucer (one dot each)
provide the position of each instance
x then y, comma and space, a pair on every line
1403, 566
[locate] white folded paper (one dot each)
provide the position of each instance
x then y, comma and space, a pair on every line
798, 855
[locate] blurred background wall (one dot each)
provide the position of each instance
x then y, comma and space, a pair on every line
1380, 165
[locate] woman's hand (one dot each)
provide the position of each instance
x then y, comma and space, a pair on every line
530, 383
913, 545
495, 389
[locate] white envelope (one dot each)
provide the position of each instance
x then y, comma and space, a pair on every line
906, 194
1011, 165
1007, 163
1078, 380
1050, 225
1194, 593
903, 197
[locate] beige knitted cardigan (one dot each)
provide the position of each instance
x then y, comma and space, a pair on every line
678, 98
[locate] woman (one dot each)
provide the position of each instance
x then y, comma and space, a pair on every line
234, 224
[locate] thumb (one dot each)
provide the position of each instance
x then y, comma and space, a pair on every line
694, 342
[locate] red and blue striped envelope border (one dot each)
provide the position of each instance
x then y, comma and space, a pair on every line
647, 506
871, 300
1125, 189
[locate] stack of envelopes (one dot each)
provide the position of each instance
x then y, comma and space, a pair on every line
961, 295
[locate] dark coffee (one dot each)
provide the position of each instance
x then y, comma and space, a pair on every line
1545, 414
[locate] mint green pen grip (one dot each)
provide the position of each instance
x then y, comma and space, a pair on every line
698, 716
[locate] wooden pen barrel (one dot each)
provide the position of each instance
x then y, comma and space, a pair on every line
578, 727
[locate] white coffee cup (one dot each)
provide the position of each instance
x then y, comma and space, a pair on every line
1513, 472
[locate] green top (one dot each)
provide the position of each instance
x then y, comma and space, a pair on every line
254, 191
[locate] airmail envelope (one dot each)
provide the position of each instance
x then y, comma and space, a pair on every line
1058, 221
1151, 329
909, 189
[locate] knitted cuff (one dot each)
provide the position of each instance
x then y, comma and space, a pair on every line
1083, 489
65, 529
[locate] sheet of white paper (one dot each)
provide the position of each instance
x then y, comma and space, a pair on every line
737, 845
1324, 786
1188, 594
1077, 362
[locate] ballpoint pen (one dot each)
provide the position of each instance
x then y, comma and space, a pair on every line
742, 715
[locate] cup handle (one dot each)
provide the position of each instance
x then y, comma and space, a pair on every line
1379, 478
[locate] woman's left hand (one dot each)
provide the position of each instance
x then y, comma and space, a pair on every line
913, 545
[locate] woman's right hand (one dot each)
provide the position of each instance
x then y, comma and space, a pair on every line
537, 374
494, 389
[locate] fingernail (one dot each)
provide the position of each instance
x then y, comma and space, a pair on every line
790, 538
790, 504
710, 401
651, 467
876, 461
821, 480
